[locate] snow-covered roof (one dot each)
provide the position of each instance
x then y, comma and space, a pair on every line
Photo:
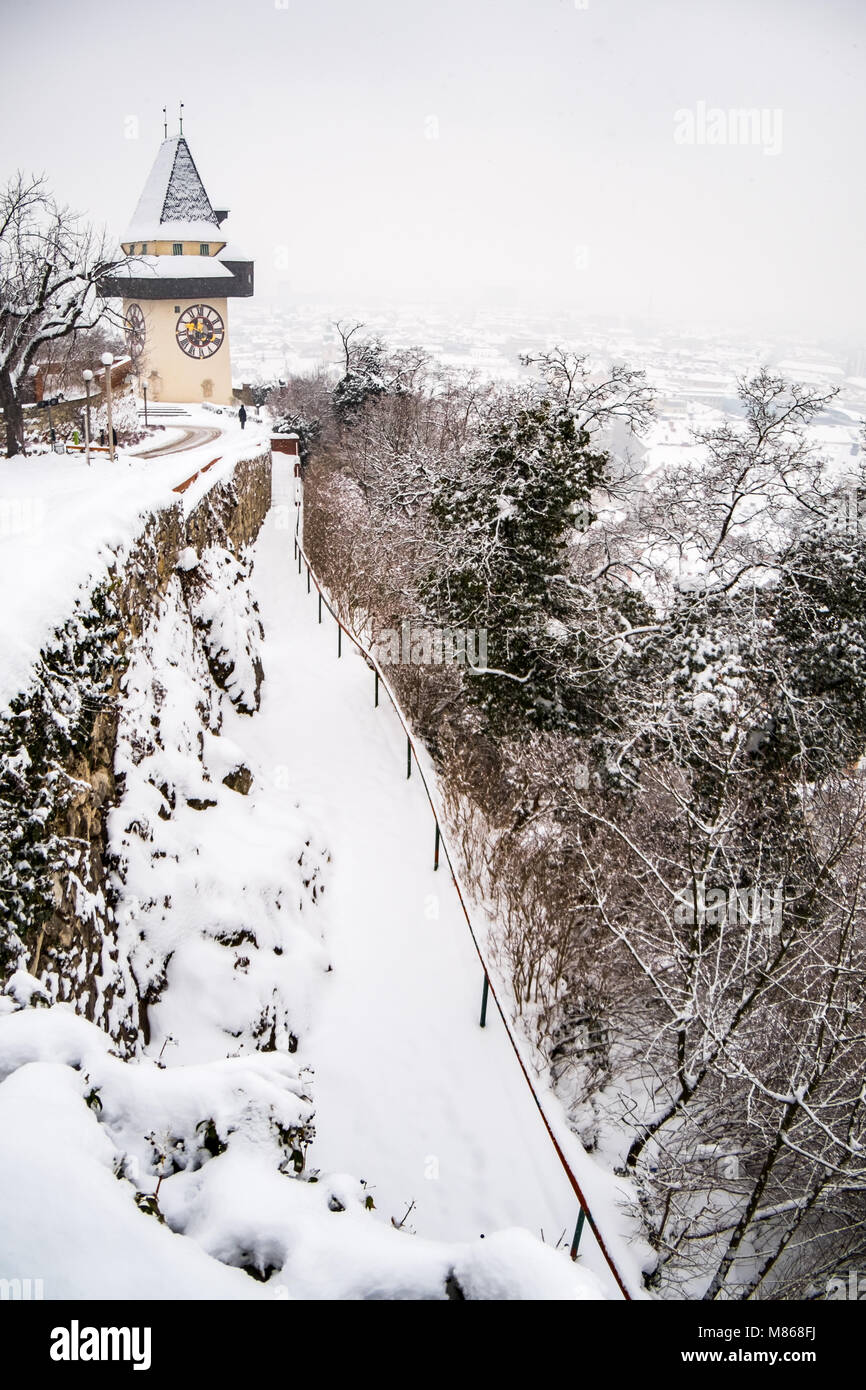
232, 252
174, 204
173, 268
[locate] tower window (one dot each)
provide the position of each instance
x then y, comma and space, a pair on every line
177, 248
204, 248
144, 248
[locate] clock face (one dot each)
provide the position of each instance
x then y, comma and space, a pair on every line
200, 331
135, 329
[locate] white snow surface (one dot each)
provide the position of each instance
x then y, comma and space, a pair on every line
350, 939
174, 268
62, 525
411, 1093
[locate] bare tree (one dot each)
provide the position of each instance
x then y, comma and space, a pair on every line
50, 270
65, 358
346, 332
596, 396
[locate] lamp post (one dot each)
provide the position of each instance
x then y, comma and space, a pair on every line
144, 389
88, 377
107, 360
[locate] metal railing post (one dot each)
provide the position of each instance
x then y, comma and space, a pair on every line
408, 756
484, 993
376, 698
436, 848
578, 1232
320, 607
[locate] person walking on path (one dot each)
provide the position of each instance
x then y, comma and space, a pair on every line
242, 415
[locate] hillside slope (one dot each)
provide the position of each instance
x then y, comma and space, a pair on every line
310, 1072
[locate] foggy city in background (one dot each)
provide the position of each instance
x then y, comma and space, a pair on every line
517, 155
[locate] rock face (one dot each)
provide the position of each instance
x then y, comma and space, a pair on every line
226, 618
240, 779
58, 741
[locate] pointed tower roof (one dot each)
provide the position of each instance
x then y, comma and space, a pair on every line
174, 204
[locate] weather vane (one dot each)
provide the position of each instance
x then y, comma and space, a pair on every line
164, 124
181, 118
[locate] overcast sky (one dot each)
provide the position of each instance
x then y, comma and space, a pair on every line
522, 152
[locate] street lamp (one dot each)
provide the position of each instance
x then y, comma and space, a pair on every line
144, 389
88, 377
107, 360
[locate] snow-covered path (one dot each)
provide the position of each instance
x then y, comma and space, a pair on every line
410, 1093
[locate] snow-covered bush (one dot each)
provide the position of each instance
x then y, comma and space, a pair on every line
45, 729
209, 886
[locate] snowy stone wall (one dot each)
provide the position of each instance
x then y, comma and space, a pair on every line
59, 738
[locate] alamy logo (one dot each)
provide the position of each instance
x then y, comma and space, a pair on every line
848, 512
21, 514
75, 1343
852, 1289
744, 906
21, 1290
740, 125
433, 646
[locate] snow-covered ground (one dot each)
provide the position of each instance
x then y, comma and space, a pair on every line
79, 1131
309, 899
411, 1093
61, 523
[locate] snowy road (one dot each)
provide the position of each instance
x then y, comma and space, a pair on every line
410, 1093
193, 436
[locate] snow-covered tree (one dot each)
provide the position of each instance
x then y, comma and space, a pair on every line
507, 516
501, 538
302, 405
50, 269
655, 788
371, 371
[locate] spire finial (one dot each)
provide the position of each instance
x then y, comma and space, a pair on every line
164, 125
181, 118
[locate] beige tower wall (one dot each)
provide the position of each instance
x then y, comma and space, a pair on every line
167, 371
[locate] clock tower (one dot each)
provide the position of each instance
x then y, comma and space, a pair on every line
181, 270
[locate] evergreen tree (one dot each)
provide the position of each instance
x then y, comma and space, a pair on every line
365, 378
819, 618
502, 536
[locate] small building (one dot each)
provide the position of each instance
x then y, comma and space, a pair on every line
285, 444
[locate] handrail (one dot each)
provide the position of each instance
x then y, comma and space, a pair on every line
438, 819
182, 487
